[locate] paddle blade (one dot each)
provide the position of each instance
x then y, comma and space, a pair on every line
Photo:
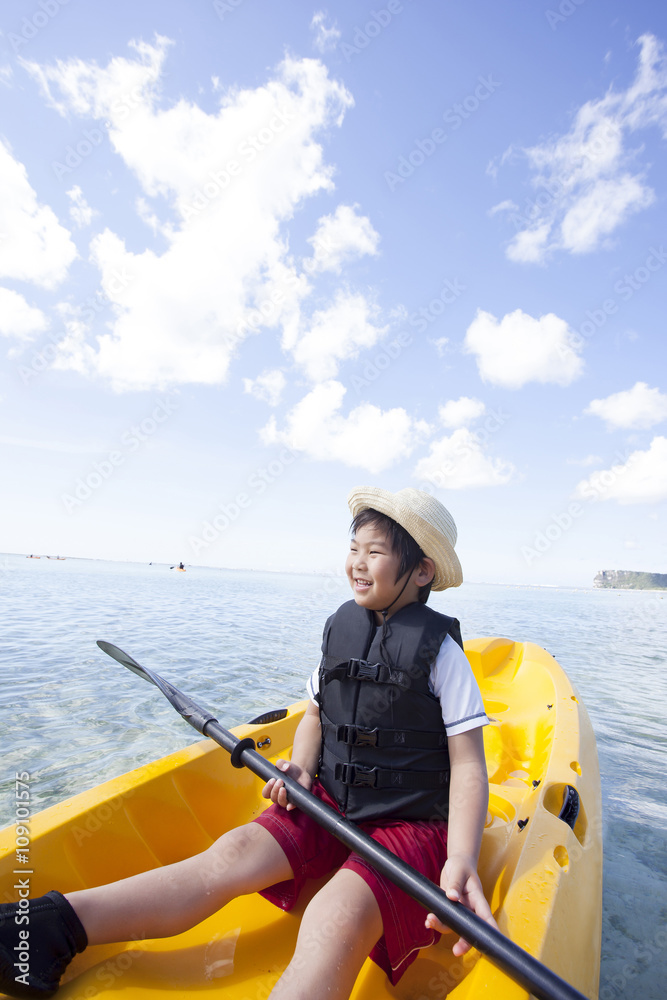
194, 715
126, 660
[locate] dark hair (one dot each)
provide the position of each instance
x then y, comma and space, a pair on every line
401, 543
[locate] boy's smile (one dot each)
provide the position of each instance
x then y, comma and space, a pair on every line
372, 569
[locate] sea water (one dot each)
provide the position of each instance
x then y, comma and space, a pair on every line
243, 642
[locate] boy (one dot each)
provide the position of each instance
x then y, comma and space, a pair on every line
392, 738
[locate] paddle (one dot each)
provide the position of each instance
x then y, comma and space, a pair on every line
513, 960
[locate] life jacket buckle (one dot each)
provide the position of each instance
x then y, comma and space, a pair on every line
362, 670
355, 775
355, 737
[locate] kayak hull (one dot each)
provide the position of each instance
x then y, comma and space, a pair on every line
542, 874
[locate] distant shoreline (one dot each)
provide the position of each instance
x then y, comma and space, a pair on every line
322, 575
629, 579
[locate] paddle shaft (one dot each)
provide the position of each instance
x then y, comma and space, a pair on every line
508, 956
517, 963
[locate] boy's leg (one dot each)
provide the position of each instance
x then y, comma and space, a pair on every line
169, 900
158, 903
339, 928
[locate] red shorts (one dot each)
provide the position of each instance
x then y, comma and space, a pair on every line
312, 853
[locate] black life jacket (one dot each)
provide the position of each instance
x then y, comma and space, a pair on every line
384, 745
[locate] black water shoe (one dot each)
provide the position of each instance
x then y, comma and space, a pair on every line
37, 943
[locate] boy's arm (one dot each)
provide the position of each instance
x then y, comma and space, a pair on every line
305, 757
468, 804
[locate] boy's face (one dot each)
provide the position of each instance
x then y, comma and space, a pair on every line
372, 568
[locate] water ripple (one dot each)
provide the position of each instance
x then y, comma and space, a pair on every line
242, 643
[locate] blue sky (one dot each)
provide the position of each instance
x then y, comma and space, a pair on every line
254, 254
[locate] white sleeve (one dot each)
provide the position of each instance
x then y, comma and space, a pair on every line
313, 687
453, 683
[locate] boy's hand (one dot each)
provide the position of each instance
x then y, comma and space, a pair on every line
461, 882
275, 789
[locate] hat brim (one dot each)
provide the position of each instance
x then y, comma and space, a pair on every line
432, 541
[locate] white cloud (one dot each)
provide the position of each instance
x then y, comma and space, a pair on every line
18, 318
458, 462
586, 181
227, 183
368, 437
326, 36
74, 352
341, 237
640, 479
462, 411
337, 334
440, 345
151, 219
521, 349
34, 246
528, 246
493, 167
639, 407
86, 89
80, 211
268, 386
601, 210
503, 206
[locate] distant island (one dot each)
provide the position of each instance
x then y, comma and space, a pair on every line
626, 579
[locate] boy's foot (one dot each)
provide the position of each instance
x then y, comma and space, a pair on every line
37, 944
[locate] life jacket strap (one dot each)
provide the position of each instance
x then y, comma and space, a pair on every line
362, 670
357, 736
357, 776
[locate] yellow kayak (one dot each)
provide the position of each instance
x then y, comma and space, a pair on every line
541, 859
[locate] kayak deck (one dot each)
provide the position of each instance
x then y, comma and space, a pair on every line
542, 874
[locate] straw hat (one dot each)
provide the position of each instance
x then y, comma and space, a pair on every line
425, 519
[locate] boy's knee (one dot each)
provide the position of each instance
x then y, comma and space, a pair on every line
228, 849
344, 908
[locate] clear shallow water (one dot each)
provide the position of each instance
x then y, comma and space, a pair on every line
242, 643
